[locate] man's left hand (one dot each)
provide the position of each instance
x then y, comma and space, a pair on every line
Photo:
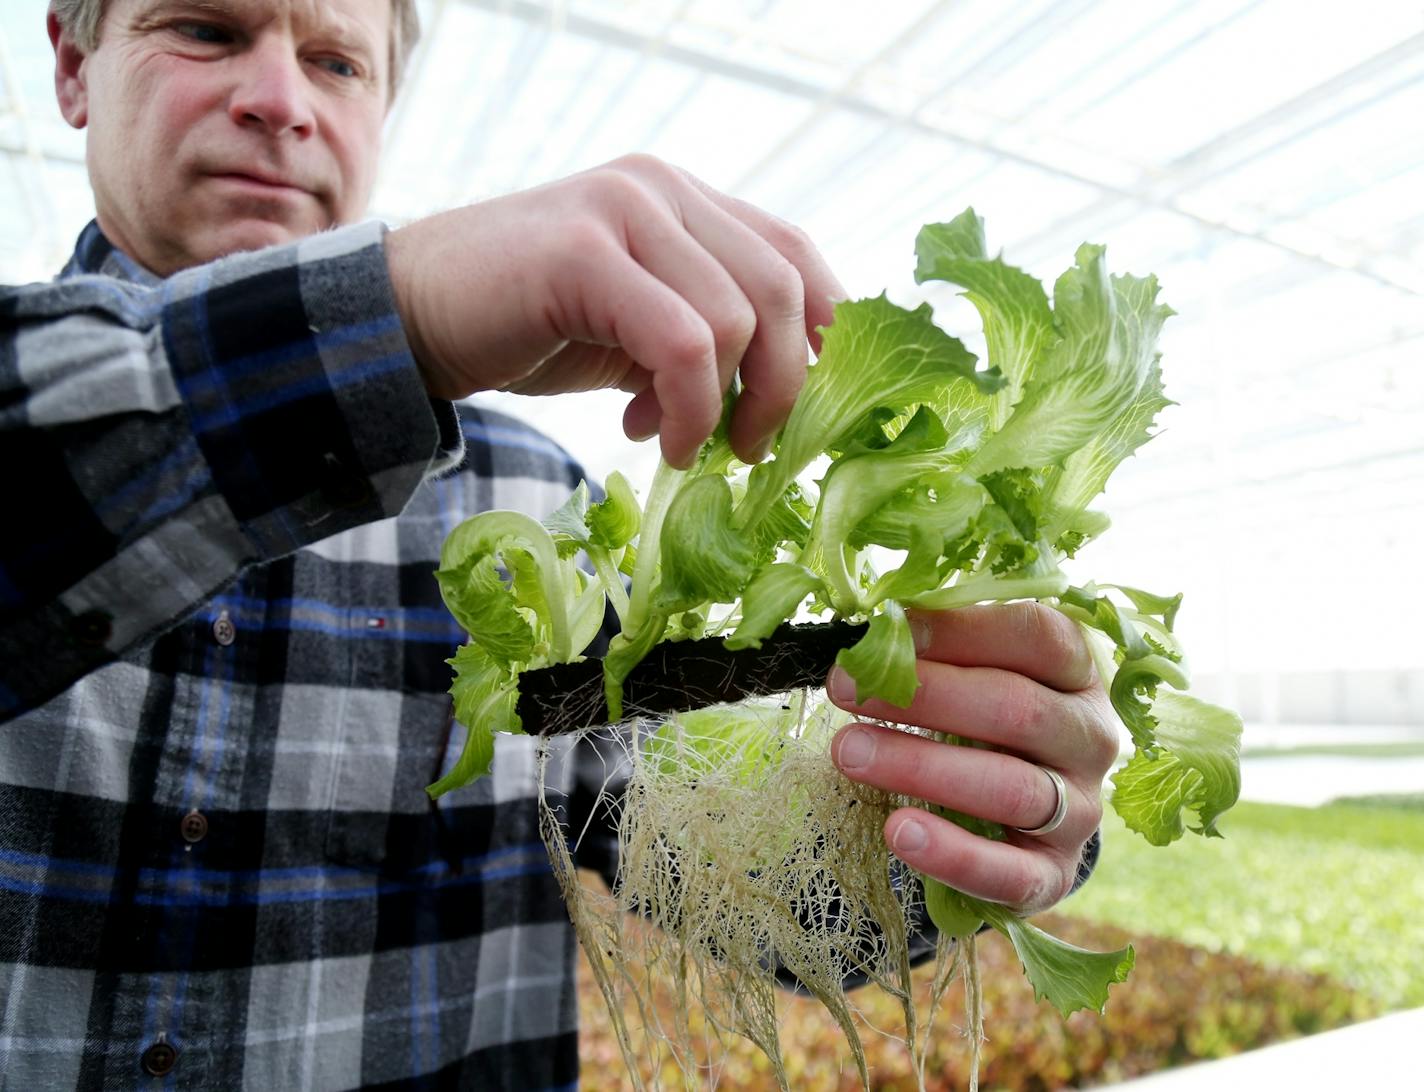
1018, 678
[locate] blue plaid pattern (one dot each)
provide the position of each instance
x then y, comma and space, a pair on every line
229, 491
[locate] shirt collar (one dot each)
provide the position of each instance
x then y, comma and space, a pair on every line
93, 253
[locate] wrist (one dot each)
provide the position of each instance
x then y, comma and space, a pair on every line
403, 251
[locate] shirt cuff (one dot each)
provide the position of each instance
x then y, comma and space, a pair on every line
301, 389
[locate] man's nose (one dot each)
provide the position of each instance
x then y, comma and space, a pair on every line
272, 90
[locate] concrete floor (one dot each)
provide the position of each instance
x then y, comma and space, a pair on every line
1379, 1055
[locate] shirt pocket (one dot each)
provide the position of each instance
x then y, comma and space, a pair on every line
389, 745
382, 819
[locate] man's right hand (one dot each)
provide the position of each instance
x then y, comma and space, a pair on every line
633, 275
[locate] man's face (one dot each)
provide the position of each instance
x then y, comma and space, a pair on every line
224, 125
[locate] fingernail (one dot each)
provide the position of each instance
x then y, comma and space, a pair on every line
762, 449
910, 837
920, 631
856, 750
840, 685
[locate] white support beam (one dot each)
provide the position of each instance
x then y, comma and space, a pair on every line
1148, 194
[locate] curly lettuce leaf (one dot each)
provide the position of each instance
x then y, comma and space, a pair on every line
1149, 603
485, 694
568, 524
1191, 781
770, 599
473, 599
911, 360
613, 522
704, 560
1068, 977
1018, 323
1108, 331
1071, 487
855, 486
947, 503
497, 625
882, 662
921, 570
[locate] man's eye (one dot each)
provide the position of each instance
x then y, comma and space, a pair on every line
338, 67
203, 32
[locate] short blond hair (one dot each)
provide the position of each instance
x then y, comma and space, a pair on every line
83, 18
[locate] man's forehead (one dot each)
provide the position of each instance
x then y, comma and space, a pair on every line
363, 18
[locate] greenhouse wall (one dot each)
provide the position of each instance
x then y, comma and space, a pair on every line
1392, 697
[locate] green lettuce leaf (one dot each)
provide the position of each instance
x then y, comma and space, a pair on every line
703, 558
1196, 772
625, 651
568, 524
466, 592
1019, 496
1107, 344
947, 503
951, 912
921, 571
497, 626
1133, 692
769, 600
485, 694
855, 486
1069, 489
1163, 606
1066, 976
911, 359
613, 521
882, 662
1018, 323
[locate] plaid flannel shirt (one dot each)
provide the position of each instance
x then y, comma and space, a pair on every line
222, 654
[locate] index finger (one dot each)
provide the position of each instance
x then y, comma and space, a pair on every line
823, 289
1027, 638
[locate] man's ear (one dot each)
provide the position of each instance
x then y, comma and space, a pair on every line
69, 83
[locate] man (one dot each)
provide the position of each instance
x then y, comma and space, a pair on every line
233, 459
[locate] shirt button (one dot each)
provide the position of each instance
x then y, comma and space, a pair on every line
194, 826
159, 1059
92, 628
342, 486
224, 632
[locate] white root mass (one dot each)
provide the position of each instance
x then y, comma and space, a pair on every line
743, 850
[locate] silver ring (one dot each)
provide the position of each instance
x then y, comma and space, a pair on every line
1059, 810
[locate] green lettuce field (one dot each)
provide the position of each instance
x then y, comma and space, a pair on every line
1298, 920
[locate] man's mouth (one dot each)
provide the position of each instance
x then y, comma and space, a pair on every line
272, 185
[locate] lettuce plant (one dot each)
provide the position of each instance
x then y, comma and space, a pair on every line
908, 475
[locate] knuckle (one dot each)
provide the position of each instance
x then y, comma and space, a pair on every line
689, 345
1093, 811
1105, 746
1045, 882
644, 163
1054, 888
734, 327
1031, 889
1020, 712
784, 291
1055, 638
585, 241
610, 188
1101, 739
789, 239
1021, 796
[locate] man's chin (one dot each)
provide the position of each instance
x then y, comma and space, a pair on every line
234, 237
